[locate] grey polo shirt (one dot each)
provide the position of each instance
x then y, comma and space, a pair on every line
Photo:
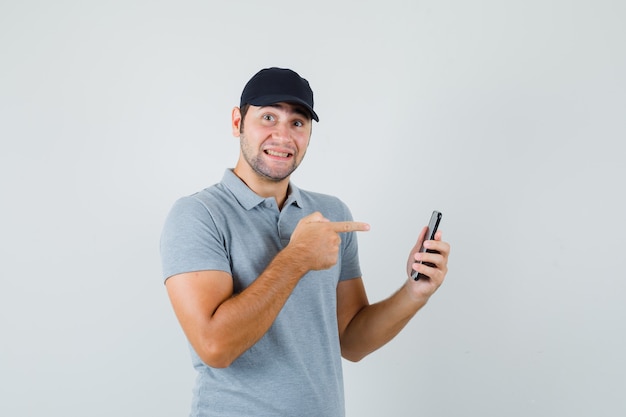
295, 369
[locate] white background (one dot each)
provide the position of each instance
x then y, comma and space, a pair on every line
508, 116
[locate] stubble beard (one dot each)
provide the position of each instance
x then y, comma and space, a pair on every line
258, 165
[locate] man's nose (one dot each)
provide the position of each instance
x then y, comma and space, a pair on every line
281, 131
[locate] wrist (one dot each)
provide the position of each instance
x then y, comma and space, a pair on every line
412, 293
291, 258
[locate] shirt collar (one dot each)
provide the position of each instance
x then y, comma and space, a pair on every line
249, 199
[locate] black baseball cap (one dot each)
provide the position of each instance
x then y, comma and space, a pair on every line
275, 85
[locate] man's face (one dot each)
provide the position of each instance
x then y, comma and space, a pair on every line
275, 138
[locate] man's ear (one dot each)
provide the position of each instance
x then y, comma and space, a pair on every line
236, 121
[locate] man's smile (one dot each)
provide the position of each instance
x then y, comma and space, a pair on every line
272, 152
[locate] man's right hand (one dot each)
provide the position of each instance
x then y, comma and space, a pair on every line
316, 240
221, 327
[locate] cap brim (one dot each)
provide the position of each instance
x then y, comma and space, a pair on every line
281, 98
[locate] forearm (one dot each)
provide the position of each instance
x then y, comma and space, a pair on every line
240, 321
221, 326
376, 324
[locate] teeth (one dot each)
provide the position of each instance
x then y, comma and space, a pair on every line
274, 153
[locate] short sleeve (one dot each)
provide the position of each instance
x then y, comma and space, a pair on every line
350, 265
191, 241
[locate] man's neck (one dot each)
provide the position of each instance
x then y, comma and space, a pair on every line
264, 187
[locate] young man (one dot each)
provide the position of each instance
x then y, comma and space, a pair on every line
264, 277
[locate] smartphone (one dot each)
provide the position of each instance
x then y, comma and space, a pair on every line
433, 224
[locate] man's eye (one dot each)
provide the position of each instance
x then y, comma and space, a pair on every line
298, 123
268, 117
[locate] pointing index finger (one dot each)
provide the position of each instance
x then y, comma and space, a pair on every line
343, 227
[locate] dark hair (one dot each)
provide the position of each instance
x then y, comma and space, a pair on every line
243, 110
